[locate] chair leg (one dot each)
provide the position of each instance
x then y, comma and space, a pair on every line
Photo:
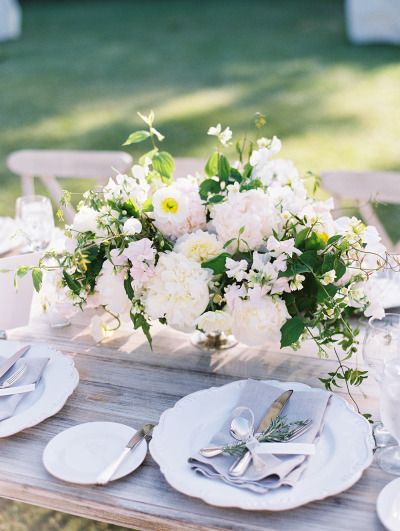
27, 185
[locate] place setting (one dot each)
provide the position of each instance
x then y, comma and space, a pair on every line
35, 383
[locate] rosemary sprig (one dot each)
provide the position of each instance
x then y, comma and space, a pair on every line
278, 431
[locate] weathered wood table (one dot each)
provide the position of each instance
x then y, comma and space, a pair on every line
122, 380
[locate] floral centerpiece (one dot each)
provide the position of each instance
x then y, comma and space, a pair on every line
244, 249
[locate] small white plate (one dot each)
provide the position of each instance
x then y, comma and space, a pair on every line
79, 454
388, 505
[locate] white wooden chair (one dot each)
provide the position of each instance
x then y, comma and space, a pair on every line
48, 165
188, 166
365, 187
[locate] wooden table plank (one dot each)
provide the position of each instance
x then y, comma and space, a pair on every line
124, 381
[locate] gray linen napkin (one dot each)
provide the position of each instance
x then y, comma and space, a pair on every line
277, 471
33, 373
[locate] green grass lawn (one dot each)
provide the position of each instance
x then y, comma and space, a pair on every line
82, 70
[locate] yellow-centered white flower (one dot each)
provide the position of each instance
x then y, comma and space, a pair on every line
169, 204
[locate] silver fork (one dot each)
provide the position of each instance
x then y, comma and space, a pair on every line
212, 451
11, 380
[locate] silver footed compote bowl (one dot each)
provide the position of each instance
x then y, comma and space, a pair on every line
213, 341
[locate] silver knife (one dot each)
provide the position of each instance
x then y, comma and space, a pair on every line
6, 366
240, 466
105, 476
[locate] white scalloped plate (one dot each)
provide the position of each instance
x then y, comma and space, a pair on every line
59, 380
344, 451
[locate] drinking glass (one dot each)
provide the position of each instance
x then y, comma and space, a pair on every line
389, 458
35, 216
381, 345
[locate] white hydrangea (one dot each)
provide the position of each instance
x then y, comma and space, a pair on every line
178, 290
251, 212
178, 208
199, 246
258, 320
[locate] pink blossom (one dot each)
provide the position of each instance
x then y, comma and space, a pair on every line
140, 273
140, 250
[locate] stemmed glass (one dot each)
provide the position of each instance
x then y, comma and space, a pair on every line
35, 216
389, 458
381, 345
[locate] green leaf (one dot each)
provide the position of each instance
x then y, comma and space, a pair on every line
128, 287
291, 331
314, 242
328, 263
236, 176
334, 239
139, 321
211, 167
311, 259
137, 136
164, 164
216, 198
326, 292
22, 271
72, 284
209, 186
340, 268
217, 264
37, 278
224, 168
301, 236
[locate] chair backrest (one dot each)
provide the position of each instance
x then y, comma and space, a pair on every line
188, 166
68, 163
49, 165
365, 187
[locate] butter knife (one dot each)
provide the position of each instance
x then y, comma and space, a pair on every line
106, 475
6, 366
241, 464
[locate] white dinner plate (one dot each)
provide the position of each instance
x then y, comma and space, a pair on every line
343, 451
58, 381
388, 505
80, 454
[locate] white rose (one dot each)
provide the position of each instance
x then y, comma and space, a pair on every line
86, 220
256, 322
218, 321
132, 226
199, 246
177, 290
